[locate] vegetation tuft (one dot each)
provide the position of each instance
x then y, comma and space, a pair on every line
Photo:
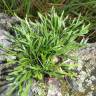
41, 47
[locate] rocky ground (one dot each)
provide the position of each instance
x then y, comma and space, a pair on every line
83, 85
86, 79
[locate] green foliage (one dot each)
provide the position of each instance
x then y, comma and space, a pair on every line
86, 7
29, 7
72, 7
56, 1
37, 43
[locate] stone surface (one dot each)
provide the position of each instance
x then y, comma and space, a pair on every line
5, 24
86, 79
54, 87
6, 21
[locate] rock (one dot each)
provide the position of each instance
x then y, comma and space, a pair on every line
5, 24
6, 21
89, 94
4, 42
86, 79
37, 89
54, 87
50, 88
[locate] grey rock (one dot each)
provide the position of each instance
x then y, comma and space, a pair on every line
4, 42
5, 25
54, 87
6, 21
86, 79
94, 93
89, 94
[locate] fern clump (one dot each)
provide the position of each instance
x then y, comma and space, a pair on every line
41, 47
